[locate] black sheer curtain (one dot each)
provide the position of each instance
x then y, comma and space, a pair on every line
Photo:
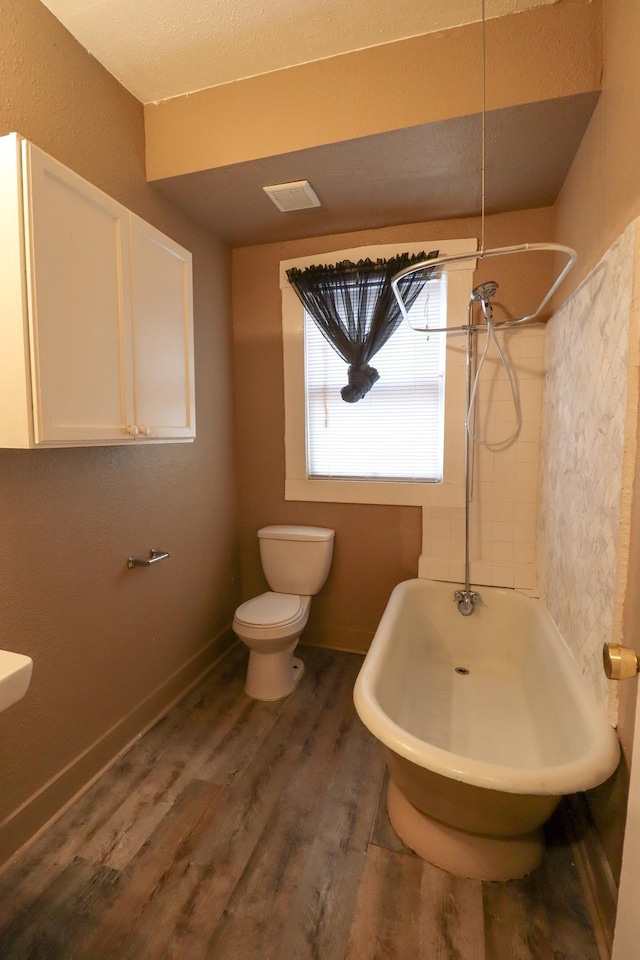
354, 307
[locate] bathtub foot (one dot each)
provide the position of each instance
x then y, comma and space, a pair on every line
463, 854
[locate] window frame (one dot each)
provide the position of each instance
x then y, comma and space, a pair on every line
298, 485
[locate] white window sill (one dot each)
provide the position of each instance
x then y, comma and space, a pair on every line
383, 492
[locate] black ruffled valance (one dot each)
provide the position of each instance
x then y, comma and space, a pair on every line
355, 308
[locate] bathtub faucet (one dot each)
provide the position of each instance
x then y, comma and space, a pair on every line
466, 600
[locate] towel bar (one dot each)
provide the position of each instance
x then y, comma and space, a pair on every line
154, 556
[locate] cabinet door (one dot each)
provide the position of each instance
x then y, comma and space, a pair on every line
78, 288
162, 325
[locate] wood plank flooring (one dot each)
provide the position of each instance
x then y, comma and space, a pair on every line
239, 830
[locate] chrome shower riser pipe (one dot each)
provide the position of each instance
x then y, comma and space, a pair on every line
468, 462
467, 598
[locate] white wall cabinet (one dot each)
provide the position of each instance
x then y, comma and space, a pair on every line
96, 335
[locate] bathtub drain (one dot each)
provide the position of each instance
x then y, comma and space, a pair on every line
462, 671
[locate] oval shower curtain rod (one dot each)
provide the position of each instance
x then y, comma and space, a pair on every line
482, 255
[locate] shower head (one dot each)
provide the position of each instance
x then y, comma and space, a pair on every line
485, 291
482, 294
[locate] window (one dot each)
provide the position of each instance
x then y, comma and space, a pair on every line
404, 442
396, 431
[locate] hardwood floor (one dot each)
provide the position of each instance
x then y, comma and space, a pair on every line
239, 830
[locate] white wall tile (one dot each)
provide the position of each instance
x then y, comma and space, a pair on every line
504, 490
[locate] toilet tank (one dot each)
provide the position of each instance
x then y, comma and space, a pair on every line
296, 559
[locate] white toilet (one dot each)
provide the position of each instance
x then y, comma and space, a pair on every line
296, 562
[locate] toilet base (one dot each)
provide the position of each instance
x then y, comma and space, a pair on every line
272, 676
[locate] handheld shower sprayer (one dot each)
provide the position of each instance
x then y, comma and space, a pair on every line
483, 293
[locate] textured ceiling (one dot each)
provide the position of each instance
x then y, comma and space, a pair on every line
159, 49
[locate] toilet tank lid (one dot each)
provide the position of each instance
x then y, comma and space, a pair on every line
286, 532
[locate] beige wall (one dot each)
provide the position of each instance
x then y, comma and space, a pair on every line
601, 194
376, 546
110, 646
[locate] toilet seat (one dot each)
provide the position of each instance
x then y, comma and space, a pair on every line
270, 610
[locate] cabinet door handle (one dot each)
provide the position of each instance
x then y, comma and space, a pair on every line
137, 431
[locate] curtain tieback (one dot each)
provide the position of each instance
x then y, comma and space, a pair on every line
361, 379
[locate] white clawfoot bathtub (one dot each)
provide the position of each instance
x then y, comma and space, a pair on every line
486, 722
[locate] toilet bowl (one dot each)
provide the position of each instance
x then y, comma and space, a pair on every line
270, 625
296, 562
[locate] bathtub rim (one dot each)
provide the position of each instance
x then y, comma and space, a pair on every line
585, 772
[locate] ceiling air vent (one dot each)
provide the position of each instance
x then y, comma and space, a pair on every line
298, 195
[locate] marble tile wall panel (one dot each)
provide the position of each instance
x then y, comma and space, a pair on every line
583, 428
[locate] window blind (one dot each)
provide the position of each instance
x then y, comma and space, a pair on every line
396, 431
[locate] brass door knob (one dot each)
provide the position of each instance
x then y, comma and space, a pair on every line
620, 663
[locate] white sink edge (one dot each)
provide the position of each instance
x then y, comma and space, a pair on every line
15, 677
